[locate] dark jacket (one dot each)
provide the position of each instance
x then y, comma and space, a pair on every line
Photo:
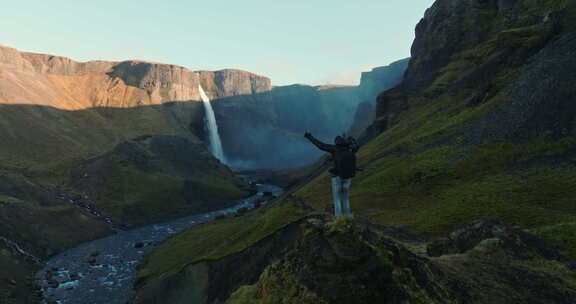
343, 158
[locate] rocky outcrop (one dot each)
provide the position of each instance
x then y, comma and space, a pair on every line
339, 262
319, 260
350, 263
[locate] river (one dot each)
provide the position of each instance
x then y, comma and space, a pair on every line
103, 271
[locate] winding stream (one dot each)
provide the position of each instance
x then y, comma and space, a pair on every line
104, 270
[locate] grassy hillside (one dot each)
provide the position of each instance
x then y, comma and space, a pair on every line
231, 235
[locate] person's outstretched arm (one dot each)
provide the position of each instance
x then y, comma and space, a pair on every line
322, 146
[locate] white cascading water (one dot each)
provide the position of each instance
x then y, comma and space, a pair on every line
214, 137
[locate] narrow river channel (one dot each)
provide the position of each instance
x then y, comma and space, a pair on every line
103, 271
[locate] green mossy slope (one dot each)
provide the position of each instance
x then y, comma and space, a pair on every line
157, 176
217, 239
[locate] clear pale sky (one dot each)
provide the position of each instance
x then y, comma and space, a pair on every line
297, 41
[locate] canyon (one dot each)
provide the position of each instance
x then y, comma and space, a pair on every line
92, 148
465, 192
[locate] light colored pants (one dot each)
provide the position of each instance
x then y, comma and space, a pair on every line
340, 193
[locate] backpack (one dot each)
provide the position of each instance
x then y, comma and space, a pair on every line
347, 162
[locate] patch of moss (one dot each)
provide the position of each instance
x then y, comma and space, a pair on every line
343, 223
247, 294
219, 187
139, 184
545, 7
561, 235
5, 199
132, 191
271, 289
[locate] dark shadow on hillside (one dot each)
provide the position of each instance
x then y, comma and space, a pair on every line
250, 134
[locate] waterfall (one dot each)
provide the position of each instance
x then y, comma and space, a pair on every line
214, 137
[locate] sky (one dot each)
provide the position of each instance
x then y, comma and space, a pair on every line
299, 41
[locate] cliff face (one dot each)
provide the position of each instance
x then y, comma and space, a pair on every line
371, 84
326, 110
174, 83
322, 110
50, 64
272, 136
491, 51
382, 78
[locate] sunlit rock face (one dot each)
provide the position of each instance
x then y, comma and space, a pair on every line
48, 80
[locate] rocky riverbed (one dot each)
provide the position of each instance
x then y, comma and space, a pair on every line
104, 270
